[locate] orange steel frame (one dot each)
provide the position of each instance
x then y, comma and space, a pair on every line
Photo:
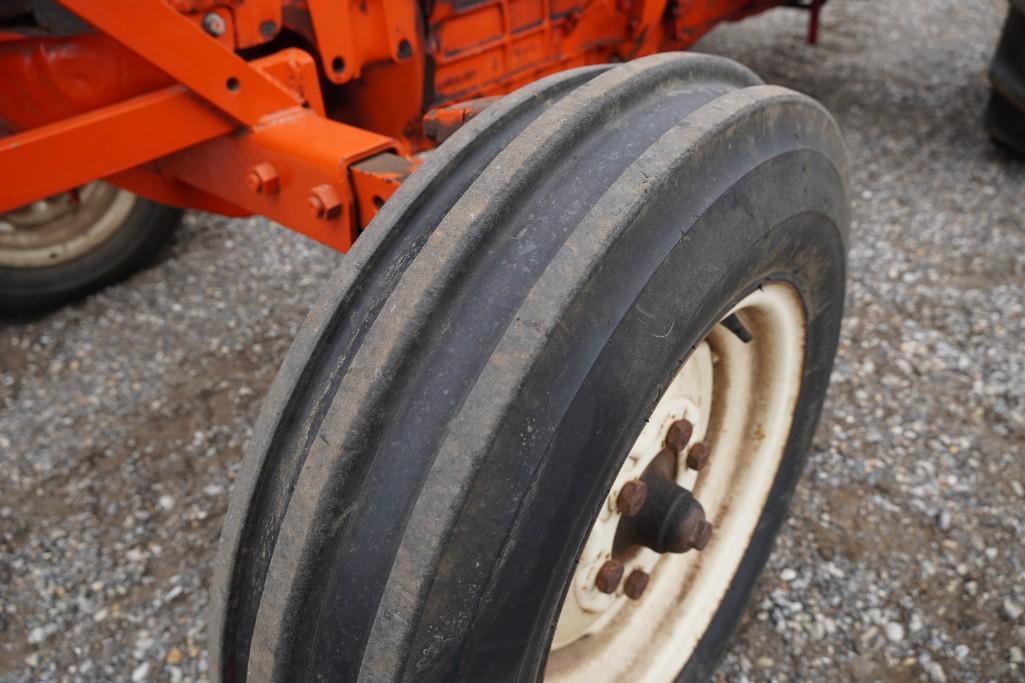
309, 112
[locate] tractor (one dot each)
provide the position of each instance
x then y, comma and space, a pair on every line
546, 418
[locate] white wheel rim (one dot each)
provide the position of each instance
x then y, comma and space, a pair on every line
741, 399
59, 229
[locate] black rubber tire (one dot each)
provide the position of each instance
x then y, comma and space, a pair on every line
25, 291
1005, 114
436, 446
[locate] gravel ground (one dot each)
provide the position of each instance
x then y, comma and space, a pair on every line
123, 417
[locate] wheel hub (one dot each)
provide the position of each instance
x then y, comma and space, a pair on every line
63, 227
680, 513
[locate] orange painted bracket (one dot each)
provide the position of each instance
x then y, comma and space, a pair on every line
148, 182
256, 21
440, 123
400, 20
158, 33
62, 155
376, 179
53, 158
332, 25
285, 169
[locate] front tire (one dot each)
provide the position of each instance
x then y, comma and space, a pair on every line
451, 422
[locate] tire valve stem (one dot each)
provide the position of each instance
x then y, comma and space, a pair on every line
733, 324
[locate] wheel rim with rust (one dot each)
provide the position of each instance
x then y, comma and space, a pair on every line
680, 515
63, 227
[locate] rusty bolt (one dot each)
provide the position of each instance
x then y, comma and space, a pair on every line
698, 455
609, 576
635, 584
631, 497
324, 202
263, 178
214, 24
679, 435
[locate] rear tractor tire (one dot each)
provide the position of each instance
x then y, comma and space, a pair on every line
1005, 115
548, 421
63, 247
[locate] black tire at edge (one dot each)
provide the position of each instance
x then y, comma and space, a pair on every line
1005, 112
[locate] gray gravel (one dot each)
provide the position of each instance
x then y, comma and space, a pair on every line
122, 418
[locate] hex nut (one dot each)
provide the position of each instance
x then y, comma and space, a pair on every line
324, 202
263, 178
636, 584
679, 435
609, 576
631, 497
698, 455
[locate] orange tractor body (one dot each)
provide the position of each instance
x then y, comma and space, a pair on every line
309, 112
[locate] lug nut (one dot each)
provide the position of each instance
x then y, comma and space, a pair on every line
698, 455
609, 576
679, 435
263, 178
324, 202
636, 584
631, 497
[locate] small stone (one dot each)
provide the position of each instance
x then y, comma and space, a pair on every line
174, 656
894, 632
943, 520
1012, 610
166, 502
765, 662
934, 671
1018, 489
140, 673
788, 575
863, 668
1016, 655
213, 489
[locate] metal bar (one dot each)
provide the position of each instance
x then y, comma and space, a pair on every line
294, 170
159, 34
54, 158
332, 25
